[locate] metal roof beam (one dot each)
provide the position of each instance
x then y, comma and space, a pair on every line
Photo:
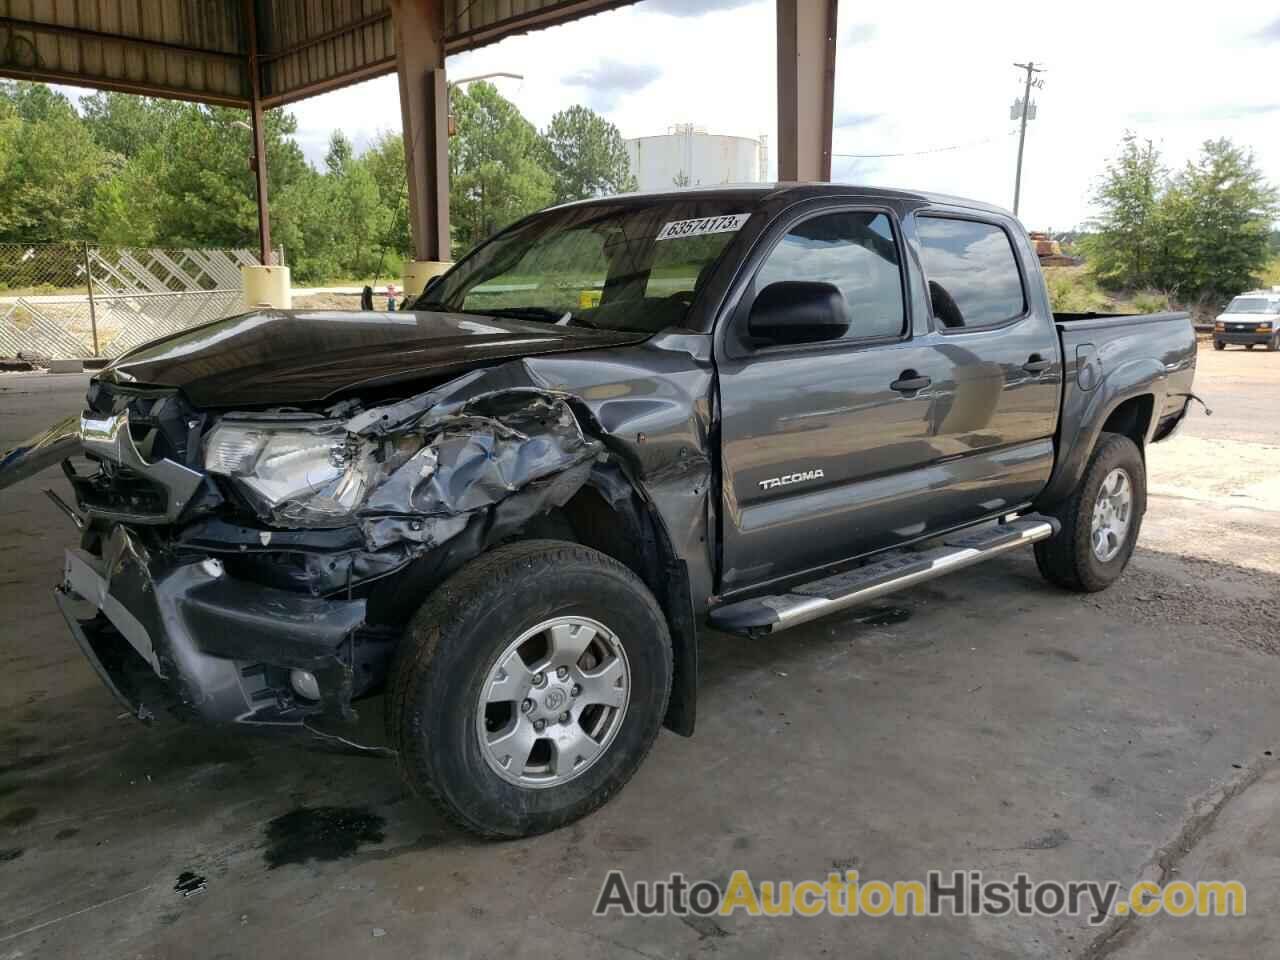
83, 33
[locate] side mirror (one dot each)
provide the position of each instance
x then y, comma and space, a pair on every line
432, 284
366, 299
799, 311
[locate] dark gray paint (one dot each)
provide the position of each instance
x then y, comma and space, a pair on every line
308, 356
696, 418
975, 443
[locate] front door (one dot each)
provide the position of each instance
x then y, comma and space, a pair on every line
825, 445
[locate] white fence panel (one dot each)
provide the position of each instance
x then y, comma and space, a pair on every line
75, 300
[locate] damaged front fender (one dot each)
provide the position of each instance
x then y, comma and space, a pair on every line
412, 473
472, 459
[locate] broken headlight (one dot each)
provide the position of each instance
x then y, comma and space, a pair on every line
308, 473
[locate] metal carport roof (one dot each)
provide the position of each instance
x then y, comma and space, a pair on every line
259, 54
201, 49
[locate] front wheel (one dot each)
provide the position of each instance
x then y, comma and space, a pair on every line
1219, 345
529, 688
1100, 521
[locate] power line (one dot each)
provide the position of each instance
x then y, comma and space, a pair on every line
919, 153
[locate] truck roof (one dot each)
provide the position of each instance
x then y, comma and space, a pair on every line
759, 192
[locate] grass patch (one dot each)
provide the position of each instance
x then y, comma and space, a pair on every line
1271, 276
1074, 290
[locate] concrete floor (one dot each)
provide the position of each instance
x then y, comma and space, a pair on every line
1003, 726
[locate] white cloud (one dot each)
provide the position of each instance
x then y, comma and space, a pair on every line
692, 8
605, 83
910, 77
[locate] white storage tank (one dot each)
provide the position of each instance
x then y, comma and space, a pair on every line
688, 156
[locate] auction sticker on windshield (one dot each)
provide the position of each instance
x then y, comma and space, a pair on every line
728, 223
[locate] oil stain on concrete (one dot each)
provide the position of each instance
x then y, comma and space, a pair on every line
884, 616
1047, 841
320, 833
17, 818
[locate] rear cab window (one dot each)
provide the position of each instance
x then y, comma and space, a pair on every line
972, 271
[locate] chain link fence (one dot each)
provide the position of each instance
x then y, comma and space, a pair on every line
78, 300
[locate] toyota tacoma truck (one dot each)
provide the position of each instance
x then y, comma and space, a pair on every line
512, 504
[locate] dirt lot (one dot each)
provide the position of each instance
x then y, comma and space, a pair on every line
990, 722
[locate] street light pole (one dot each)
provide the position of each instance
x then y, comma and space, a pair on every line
487, 76
1032, 70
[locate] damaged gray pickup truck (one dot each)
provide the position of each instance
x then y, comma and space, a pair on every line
513, 504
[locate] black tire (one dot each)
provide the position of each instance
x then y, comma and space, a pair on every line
1219, 345
453, 642
1068, 559
1248, 346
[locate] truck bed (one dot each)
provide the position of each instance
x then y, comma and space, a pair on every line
1107, 318
1111, 359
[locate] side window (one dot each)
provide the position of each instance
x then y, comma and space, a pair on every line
972, 271
856, 252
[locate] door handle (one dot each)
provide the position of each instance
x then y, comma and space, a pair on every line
1037, 364
909, 382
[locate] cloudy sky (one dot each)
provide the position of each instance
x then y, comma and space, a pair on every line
911, 77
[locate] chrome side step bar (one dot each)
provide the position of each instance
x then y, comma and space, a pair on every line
764, 615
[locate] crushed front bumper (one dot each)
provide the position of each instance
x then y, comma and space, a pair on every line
185, 636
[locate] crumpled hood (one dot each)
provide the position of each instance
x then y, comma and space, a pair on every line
304, 356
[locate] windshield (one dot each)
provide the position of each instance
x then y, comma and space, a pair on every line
633, 264
1253, 305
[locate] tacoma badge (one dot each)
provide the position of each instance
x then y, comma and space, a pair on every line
790, 478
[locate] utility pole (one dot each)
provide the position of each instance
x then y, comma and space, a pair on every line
1032, 70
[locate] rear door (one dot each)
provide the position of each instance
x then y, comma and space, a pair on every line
997, 396
816, 439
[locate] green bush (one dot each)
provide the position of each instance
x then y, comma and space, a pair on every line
1271, 275
1150, 301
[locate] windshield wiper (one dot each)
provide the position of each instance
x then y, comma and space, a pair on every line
543, 315
538, 314
527, 313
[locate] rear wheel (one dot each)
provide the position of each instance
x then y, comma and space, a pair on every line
1100, 521
529, 688
1219, 345
1248, 346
